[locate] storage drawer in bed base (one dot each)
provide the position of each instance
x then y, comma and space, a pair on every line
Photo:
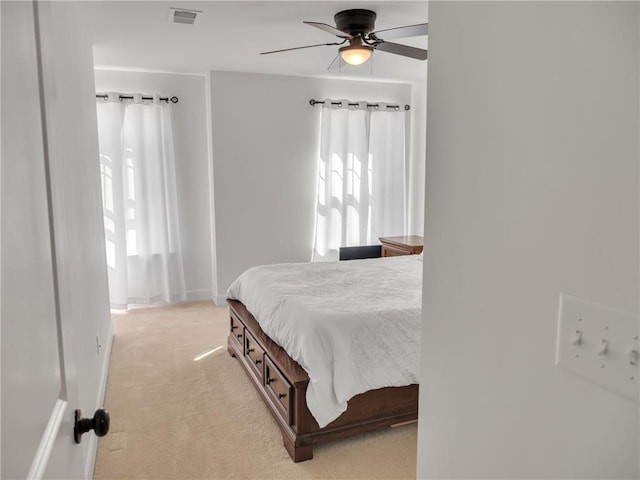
285, 392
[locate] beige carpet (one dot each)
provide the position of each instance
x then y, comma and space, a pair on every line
173, 417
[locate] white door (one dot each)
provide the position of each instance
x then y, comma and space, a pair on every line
39, 394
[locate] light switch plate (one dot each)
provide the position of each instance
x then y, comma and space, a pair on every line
611, 367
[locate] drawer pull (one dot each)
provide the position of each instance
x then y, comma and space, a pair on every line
282, 395
269, 380
258, 362
233, 327
239, 335
249, 350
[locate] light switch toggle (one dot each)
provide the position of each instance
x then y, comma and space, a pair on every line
633, 357
576, 338
603, 347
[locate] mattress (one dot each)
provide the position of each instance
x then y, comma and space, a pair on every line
353, 326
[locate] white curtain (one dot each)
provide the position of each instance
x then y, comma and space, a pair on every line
361, 177
139, 202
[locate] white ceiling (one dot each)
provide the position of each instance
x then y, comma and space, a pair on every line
229, 35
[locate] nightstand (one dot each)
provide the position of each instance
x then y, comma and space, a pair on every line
405, 245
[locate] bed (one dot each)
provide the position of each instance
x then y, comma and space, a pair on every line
332, 348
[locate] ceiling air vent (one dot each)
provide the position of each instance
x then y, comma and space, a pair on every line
184, 16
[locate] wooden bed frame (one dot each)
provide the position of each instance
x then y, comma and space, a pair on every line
282, 384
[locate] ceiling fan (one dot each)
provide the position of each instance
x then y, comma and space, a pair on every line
357, 28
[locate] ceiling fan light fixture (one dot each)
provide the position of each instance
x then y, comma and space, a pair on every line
356, 53
357, 26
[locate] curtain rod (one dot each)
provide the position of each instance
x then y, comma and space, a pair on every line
173, 99
313, 103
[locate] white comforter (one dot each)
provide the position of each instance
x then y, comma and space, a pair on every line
353, 326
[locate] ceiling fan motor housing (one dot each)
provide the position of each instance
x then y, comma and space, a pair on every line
356, 22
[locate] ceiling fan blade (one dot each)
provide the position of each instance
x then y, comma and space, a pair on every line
402, 32
298, 48
330, 29
404, 50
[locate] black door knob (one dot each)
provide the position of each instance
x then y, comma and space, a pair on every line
99, 424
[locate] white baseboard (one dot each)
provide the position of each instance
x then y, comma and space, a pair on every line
198, 295
102, 388
220, 300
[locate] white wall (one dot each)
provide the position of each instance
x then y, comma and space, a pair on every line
532, 190
192, 163
265, 147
